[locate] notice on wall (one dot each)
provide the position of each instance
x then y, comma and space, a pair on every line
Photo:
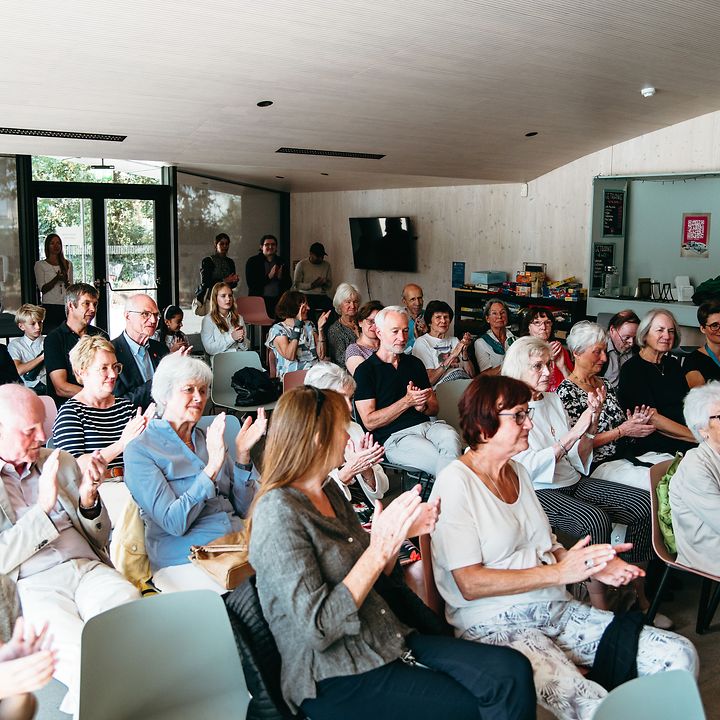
458, 274
695, 235
613, 213
603, 256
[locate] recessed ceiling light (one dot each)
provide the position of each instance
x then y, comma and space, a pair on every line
531, 134
647, 92
265, 103
324, 173
280, 177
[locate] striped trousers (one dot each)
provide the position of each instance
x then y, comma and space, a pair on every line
591, 507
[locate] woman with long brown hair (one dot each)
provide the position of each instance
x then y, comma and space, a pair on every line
53, 275
223, 328
331, 598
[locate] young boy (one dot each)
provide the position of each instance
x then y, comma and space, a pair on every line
27, 351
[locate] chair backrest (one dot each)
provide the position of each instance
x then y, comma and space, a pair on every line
168, 656
294, 378
656, 473
663, 696
232, 428
432, 598
448, 396
253, 310
50, 414
224, 366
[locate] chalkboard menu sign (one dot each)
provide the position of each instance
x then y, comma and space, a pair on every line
603, 255
613, 213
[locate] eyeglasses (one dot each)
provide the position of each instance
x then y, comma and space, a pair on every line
538, 366
145, 315
520, 415
117, 368
541, 323
713, 327
714, 417
319, 400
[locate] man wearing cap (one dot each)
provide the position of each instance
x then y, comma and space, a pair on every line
313, 277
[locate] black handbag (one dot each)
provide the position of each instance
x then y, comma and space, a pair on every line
254, 387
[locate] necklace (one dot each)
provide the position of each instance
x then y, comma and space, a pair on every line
658, 365
583, 383
482, 473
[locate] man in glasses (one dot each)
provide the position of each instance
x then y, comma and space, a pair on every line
622, 329
137, 351
81, 302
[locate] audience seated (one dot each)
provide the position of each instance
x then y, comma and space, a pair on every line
368, 342
27, 351
137, 352
396, 403
502, 573
558, 458
622, 329
96, 420
296, 344
655, 379
81, 302
350, 632
412, 299
703, 364
490, 347
187, 486
267, 274
695, 486
344, 331
53, 534
587, 342
222, 328
539, 322
445, 358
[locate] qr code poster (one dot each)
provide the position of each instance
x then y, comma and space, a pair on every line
695, 235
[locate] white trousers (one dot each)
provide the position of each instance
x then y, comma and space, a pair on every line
429, 446
66, 596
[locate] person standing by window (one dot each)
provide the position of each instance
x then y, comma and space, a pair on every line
217, 268
267, 274
53, 275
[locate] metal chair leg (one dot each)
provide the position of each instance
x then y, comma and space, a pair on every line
652, 610
707, 606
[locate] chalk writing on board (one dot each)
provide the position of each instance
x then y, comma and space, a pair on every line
613, 213
603, 255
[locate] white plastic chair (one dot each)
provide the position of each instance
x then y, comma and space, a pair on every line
224, 366
448, 395
168, 657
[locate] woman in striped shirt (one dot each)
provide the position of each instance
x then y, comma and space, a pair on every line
97, 420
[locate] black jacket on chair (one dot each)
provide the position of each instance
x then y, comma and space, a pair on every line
130, 384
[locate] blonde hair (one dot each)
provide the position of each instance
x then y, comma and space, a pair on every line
217, 318
28, 313
302, 439
83, 354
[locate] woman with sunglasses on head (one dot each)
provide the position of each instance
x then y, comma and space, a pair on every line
622, 328
703, 364
349, 632
558, 459
502, 572
540, 323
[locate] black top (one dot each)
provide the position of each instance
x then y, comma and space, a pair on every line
130, 383
256, 275
704, 364
214, 269
8, 371
380, 381
661, 386
58, 345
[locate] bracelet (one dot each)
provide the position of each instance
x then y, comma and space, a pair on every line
590, 435
563, 450
619, 434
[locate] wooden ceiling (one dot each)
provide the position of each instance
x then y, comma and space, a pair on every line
446, 91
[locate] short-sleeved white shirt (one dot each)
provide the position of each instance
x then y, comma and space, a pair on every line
475, 527
487, 357
23, 349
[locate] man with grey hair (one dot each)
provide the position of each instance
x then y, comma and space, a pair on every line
395, 400
81, 302
137, 351
54, 532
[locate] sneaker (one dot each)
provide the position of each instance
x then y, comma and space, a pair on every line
663, 622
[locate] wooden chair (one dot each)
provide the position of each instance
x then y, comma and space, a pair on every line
294, 378
708, 601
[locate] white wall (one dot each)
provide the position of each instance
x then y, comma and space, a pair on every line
491, 226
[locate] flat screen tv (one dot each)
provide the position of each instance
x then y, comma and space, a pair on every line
383, 243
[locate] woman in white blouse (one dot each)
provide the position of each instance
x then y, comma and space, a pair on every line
222, 328
53, 275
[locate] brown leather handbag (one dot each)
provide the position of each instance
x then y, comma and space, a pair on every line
221, 559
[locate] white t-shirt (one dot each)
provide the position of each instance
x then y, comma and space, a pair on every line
475, 527
44, 273
432, 351
487, 357
550, 423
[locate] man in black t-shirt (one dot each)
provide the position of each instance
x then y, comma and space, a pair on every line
395, 400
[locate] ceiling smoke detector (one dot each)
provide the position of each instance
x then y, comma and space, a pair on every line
647, 92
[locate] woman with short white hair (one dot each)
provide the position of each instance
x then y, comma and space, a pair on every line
695, 486
654, 378
344, 331
188, 488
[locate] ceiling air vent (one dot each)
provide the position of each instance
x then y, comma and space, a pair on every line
330, 153
62, 134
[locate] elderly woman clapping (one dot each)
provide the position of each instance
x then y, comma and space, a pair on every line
558, 458
695, 486
189, 489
